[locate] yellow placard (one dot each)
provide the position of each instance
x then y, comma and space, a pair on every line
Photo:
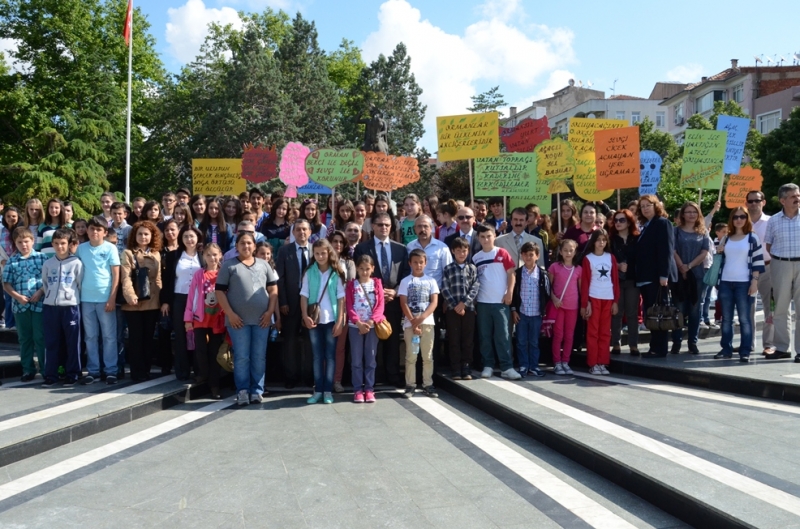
581, 132
557, 186
585, 179
468, 136
555, 160
217, 176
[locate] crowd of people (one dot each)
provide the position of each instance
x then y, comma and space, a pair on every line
189, 275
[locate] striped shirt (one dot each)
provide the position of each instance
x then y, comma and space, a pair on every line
783, 234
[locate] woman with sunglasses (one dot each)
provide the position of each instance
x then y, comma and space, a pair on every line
742, 263
624, 236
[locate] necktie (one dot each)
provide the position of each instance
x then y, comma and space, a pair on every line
385, 263
303, 260
518, 240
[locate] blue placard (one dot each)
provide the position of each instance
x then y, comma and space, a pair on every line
650, 168
737, 129
313, 188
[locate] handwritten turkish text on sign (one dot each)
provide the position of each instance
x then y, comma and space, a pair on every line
508, 175
737, 129
467, 136
739, 185
387, 173
650, 168
581, 131
313, 188
617, 156
585, 178
259, 164
540, 197
557, 186
526, 135
331, 167
555, 160
703, 157
217, 176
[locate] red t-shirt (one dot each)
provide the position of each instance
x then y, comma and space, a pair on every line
213, 317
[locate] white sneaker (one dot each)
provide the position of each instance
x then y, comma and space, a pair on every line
559, 370
703, 325
511, 374
242, 398
487, 372
604, 370
567, 370
595, 370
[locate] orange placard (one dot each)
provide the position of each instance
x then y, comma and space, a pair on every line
617, 157
739, 185
387, 173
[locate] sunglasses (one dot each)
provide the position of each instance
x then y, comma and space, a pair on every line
740, 217
465, 217
382, 225
756, 201
620, 220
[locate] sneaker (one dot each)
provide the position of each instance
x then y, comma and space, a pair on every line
2, 323
337, 387
27, 378
466, 373
535, 371
48, 383
409, 392
595, 370
328, 398
604, 370
111, 380
88, 379
522, 371
559, 370
567, 370
359, 397
693, 349
455, 376
487, 372
431, 392
704, 325
369, 396
242, 398
643, 328
624, 329
511, 374
255, 398
315, 398
714, 325
68, 383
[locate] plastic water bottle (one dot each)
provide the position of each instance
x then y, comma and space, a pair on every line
273, 334
415, 344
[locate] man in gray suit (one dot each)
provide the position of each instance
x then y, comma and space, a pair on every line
513, 241
391, 266
290, 263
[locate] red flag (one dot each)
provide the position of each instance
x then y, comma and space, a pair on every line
127, 33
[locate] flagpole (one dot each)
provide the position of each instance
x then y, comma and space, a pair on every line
128, 139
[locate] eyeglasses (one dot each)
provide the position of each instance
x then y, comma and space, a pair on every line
465, 217
756, 201
382, 225
740, 217
620, 220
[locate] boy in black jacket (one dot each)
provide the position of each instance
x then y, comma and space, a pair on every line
531, 292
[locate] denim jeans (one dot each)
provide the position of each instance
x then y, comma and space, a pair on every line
99, 324
528, 330
692, 315
249, 357
733, 294
363, 353
9, 314
706, 304
323, 347
121, 325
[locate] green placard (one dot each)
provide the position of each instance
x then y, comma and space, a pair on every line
506, 175
331, 167
703, 158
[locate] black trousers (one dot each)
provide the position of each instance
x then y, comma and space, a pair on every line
389, 357
294, 348
206, 347
141, 326
460, 339
182, 365
658, 339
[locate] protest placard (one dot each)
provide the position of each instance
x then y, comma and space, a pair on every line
467, 136
617, 157
748, 179
506, 175
313, 188
585, 179
293, 167
526, 135
650, 172
703, 157
737, 129
557, 186
217, 176
259, 163
581, 131
555, 160
383, 172
331, 167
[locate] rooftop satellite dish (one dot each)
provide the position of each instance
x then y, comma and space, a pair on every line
797, 56
782, 59
769, 60
589, 84
757, 58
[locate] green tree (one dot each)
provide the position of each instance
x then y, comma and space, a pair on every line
489, 101
779, 152
344, 68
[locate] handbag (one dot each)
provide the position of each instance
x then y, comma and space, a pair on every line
313, 308
141, 281
550, 310
382, 328
663, 316
711, 277
225, 357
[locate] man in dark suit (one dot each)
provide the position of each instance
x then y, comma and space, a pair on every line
391, 266
290, 263
465, 219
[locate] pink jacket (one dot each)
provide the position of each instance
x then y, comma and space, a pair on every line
196, 300
377, 310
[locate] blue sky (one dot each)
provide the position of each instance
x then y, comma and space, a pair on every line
529, 48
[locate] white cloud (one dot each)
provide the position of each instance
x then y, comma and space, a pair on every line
685, 73
500, 49
7, 46
259, 5
188, 26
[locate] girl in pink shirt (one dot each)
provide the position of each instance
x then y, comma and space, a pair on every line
565, 277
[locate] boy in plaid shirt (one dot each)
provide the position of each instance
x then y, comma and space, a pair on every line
460, 288
22, 280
